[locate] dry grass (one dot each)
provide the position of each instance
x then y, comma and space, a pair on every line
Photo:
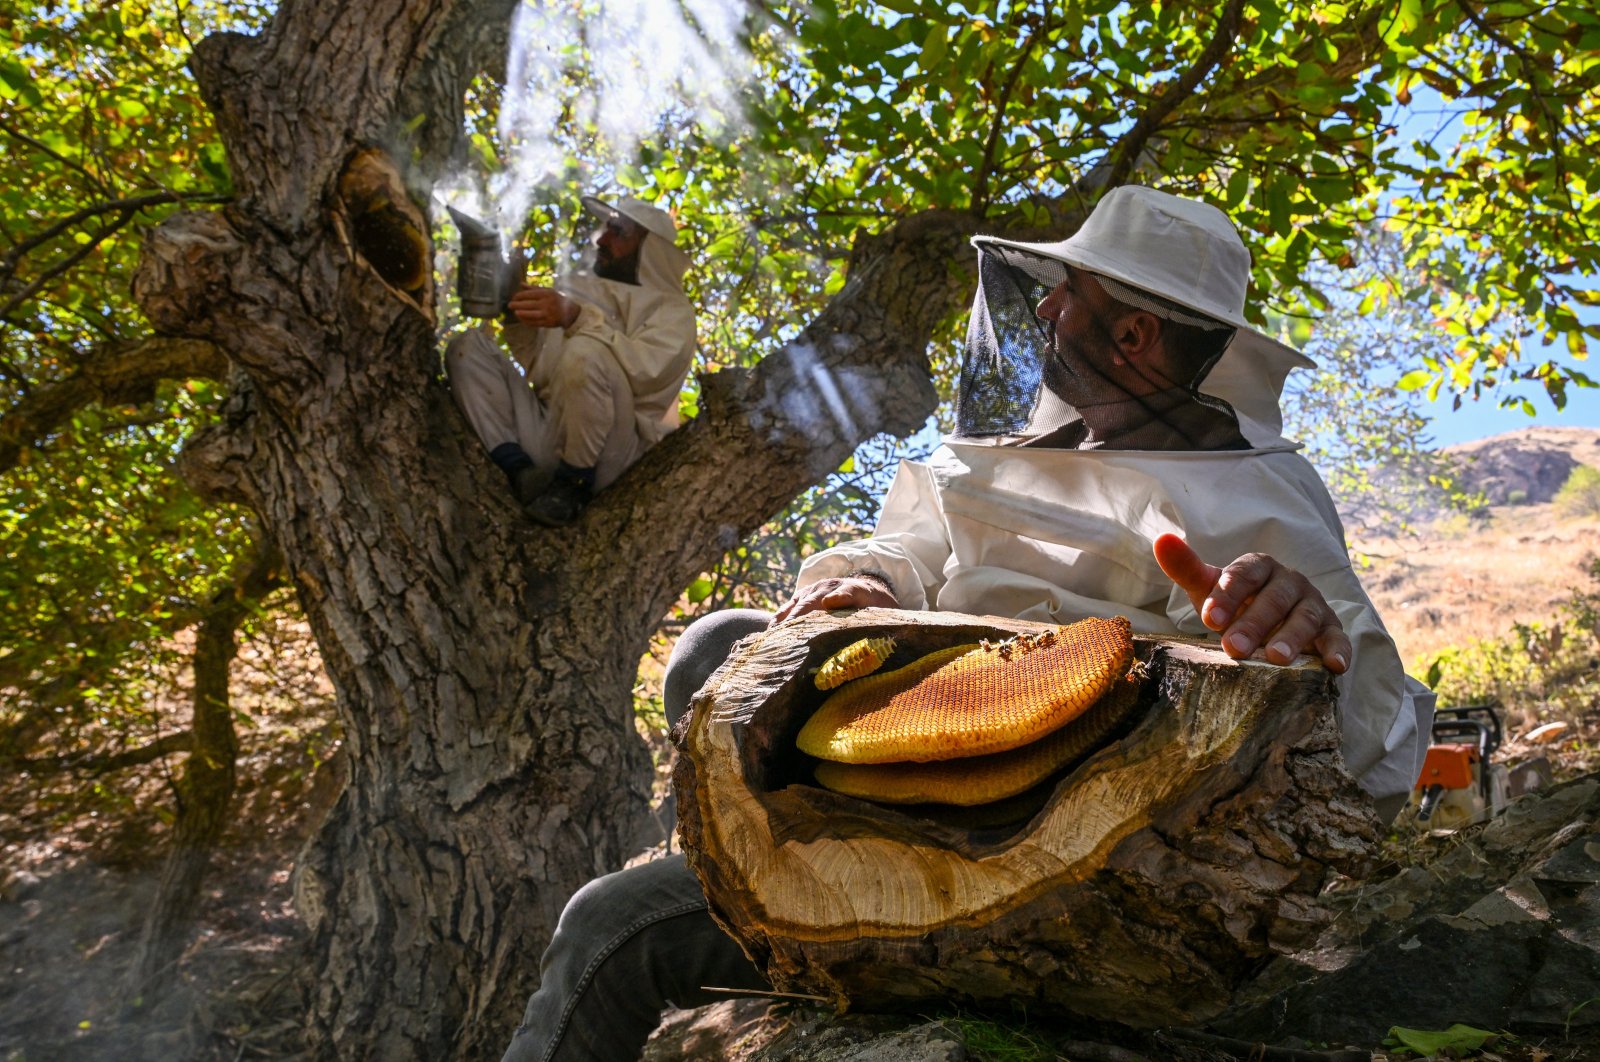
1455, 583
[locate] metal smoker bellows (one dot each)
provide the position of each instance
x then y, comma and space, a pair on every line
484, 279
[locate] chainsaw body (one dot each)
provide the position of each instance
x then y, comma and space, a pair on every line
1460, 785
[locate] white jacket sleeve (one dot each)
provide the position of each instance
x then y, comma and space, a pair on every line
911, 544
655, 345
1287, 514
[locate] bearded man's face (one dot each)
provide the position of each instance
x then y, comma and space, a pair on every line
617, 251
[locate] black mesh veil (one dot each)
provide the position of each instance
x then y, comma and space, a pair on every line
1019, 382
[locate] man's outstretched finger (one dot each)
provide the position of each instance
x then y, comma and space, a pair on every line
1197, 579
1185, 567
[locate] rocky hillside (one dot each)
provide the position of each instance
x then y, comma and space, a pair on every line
1527, 466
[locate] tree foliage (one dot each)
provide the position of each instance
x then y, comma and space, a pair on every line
107, 553
1368, 438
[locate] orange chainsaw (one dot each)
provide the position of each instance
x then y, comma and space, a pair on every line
1459, 785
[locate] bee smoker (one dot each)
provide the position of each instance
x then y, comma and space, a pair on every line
485, 281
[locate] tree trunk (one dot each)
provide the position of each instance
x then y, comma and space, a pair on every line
204, 793
483, 666
1143, 885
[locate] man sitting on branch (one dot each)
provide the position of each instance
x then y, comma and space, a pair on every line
605, 353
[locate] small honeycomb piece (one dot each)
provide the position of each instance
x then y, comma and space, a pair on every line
854, 661
984, 779
971, 700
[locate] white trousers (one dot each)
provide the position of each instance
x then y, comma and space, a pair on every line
587, 422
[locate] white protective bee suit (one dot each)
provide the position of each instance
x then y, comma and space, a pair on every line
595, 395
991, 527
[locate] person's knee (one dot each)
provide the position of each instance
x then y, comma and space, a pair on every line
587, 367
596, 912
700, 650
469, 350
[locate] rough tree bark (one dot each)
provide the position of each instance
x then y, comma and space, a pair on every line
1143, 886
204, 792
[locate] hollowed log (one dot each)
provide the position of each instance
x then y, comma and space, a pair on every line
1142, 884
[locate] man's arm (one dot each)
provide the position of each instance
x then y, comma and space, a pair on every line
1256, 601
654, 347
904, 557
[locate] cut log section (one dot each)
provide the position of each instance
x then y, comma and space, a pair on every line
1140, 884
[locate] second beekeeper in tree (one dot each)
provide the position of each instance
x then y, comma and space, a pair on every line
605, 353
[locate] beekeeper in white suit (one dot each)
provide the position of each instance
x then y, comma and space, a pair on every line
604, 354
1118, 427
1086, 435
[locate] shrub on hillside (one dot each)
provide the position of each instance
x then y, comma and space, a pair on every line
1580, 494
1537, 671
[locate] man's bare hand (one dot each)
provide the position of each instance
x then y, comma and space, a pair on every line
543, 308
828, 594
1257, 601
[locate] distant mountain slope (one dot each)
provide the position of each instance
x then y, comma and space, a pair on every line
1527, 466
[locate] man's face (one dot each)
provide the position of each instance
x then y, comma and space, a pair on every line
1079, 313
617, 251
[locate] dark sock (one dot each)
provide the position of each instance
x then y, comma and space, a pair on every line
510, 458
583, 477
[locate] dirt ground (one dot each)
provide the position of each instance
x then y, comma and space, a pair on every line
80, 857
1456, 580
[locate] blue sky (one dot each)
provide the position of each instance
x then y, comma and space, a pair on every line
1475, 420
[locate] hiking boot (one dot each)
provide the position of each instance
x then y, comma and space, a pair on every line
528, 482
560, 504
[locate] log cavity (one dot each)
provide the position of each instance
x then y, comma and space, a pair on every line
782, 778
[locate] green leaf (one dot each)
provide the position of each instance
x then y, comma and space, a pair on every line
1414, 380
699, 590
15, 83
1238, 187
1456, 1040
934, 48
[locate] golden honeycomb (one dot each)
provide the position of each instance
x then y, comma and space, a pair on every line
971, 700
854, 661
983, 779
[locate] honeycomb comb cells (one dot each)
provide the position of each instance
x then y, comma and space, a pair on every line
971, 700
978, 780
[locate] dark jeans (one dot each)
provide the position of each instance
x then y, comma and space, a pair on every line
634, 942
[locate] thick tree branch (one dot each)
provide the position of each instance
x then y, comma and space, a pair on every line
980, 183
121, 373
104, 763
1125, 155
765, 434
